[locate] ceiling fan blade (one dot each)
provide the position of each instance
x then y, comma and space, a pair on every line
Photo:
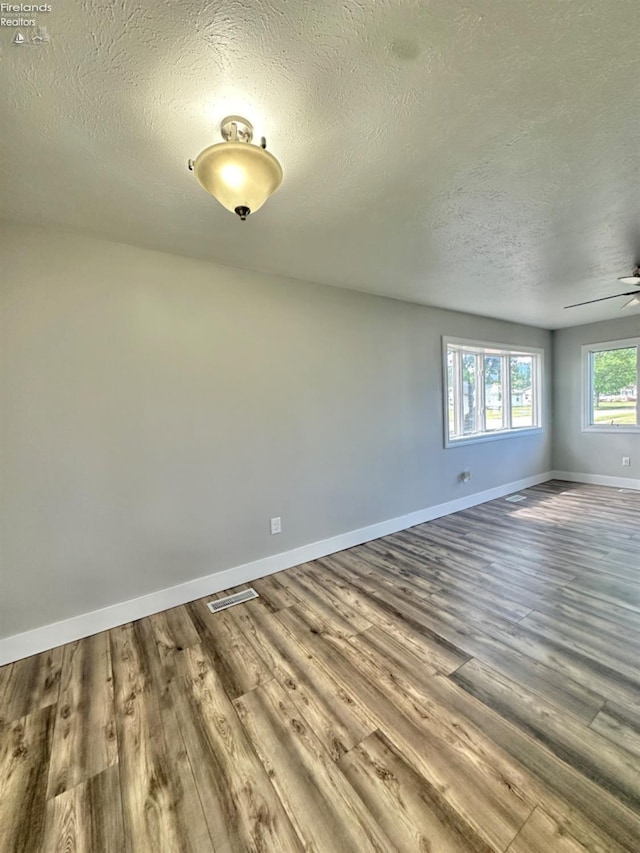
603, 298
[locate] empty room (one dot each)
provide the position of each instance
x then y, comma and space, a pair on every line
319, 427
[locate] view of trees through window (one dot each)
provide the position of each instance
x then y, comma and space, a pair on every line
490, 390
614, 386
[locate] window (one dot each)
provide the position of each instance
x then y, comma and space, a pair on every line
492, 391
611, 372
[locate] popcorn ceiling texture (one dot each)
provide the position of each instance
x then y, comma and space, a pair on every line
478, 156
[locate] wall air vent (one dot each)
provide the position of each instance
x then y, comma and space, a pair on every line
514, 499
230, 600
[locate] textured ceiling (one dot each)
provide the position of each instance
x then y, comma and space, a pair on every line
482, 156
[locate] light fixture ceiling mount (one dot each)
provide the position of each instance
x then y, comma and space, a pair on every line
240, 175
236, 129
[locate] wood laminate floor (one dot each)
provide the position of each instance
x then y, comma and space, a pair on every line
471, 684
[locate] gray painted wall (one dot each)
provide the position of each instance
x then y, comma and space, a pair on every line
158, 410
588, 452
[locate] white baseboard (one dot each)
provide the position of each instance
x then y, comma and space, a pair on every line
57, 633
598, 480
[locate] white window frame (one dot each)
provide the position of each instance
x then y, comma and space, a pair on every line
587, 386
506, 351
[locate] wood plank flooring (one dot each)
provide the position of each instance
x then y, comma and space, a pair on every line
471, 684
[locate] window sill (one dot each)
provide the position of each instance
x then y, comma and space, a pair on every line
492, 436
612, 428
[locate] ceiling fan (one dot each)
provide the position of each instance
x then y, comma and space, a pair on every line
634, 278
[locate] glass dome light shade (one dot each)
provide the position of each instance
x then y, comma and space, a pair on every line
238, 174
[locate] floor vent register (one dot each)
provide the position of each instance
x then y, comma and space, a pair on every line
231, 600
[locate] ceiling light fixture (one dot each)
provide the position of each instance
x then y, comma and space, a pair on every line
241, 176
634, 278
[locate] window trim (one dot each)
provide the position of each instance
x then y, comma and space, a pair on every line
585, 356
505, 349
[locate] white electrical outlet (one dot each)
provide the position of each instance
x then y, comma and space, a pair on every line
626, 461
276, 525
